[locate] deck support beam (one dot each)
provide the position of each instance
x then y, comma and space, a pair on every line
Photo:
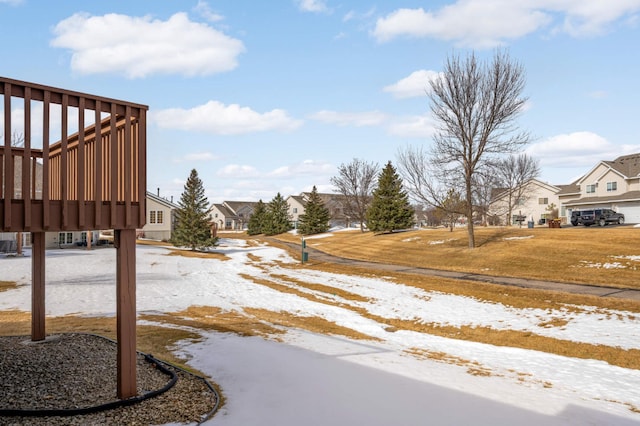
38, 331
125, 243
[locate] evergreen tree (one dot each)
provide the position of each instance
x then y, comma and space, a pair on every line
257, 219
277, 217
390, 208
192, 227
315, 219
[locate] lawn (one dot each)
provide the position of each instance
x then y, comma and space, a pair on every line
600, 256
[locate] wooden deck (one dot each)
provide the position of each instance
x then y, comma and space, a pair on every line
89, 178
94, 178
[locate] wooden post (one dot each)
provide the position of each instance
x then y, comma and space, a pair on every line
37, 287
125, 243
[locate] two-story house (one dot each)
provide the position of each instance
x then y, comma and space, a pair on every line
609, 184
335, 203
536, 201
231, 215
160, 218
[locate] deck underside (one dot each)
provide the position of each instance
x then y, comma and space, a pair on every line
69, 216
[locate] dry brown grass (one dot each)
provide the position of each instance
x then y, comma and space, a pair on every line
197, 254
7, 285
150, 339
570, 254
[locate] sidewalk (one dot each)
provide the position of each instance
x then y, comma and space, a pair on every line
588, 289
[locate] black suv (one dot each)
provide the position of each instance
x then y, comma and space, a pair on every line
575, 217
601, 217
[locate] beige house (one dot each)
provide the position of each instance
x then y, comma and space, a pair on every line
537, 203
609, 184
335, 203
231, 215
160, 218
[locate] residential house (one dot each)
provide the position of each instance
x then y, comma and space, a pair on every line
231, 215
609, 184
160, 218
335, 203
296, 205
538, 200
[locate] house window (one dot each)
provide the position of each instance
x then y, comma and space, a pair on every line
543, 201
591, 189
159, 216
65, 238
612, 186
295, 210
152, 216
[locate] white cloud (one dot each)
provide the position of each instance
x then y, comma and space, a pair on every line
140, 46
307, 167
419, 126
237, 171
11, 2
418, 83
197, 156
315, 6
205, 11
215, 117
358, 119
578, 149
488, 23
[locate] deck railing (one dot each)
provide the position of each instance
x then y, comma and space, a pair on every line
91, 179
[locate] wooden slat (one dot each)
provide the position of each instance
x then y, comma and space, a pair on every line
80, 165
142, 167
114, 171
46, 181
27, 183
8, 157
64, 160
98, 165
127, 167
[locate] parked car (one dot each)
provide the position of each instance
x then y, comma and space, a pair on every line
575, 217
601, 217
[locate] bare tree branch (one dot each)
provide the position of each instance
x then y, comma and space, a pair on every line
356, 182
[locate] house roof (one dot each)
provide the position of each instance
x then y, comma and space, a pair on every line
497, 193
237, 205
627, 165
299, 198
627, 196
224, 210
161, 200
571, 189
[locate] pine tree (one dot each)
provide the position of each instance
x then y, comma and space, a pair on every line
277, 217
390, 208
315, 219
257, 219
192, 227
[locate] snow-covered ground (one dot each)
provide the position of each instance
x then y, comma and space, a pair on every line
317, 379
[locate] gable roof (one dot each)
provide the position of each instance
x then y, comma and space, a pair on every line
161, 200
224, 210
627, 165
498, 193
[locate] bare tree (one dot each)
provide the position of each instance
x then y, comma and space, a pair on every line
475, 106
356, 182
513, 174
429, 185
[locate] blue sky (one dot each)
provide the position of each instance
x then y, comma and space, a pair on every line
264, 97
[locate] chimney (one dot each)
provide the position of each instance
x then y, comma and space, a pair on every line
158, 191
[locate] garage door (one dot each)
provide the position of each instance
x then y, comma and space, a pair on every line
631, 212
